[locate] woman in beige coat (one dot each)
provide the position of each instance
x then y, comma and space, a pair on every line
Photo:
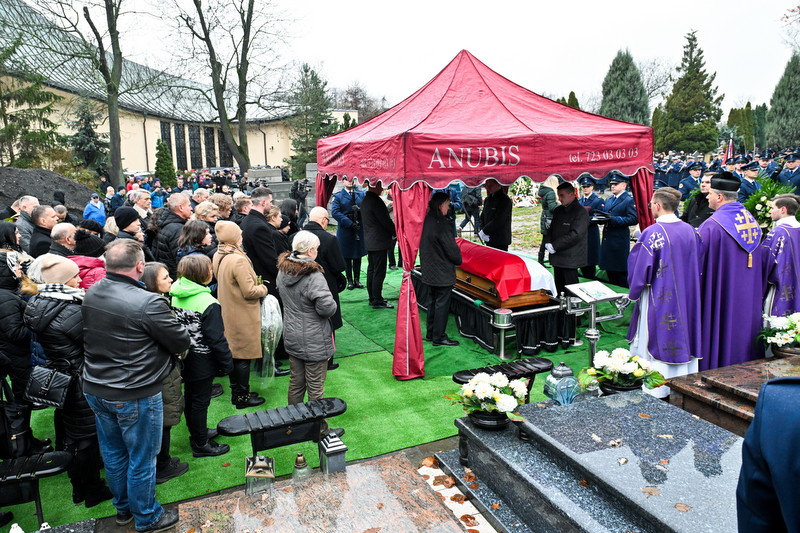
239, 294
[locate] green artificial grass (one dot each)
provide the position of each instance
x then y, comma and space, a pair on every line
383, 414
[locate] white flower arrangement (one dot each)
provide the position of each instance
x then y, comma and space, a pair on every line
621, 368
493, 393
781, 330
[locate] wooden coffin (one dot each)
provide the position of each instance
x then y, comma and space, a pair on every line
483, 289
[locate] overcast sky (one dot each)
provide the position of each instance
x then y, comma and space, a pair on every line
549, 47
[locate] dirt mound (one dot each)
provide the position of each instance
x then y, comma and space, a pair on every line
40, 183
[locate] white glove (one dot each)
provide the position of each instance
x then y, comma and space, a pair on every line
483, 236
549, 248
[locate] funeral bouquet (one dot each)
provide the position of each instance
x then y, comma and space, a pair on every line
493, 393
781, 331
759, 203
620, 368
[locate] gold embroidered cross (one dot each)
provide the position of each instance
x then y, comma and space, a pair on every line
746, 225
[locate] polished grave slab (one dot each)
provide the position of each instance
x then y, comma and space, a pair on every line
384, 494
727, 396
620, 463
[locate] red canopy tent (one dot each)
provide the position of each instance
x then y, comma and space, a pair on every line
470, 124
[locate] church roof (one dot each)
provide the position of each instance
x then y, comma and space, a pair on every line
143, 90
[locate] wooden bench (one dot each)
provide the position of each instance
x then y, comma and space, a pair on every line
280, 426
524, 368
25, 472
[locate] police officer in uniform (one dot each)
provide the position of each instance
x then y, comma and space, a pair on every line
791, 171
345, 208
692, 181
749, 184
593, 203
616, 243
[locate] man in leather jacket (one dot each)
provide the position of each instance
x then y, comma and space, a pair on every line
130, 341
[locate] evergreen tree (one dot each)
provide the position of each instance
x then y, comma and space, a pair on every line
562, 100
26, 132
347, 122
692, 110
760, 126
165, 169
658, 130
311, 121
783, 117
624, 96
572, 101
89, 147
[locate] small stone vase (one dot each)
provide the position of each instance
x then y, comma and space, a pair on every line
609, 388
492, 421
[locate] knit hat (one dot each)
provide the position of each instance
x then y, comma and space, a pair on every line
57, 269
284, 222
125, 216
227, 232
88, 244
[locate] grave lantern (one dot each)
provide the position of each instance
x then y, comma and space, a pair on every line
558, 373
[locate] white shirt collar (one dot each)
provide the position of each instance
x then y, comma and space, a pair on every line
792, 222
670, 217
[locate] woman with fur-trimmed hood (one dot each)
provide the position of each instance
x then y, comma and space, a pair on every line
307, 307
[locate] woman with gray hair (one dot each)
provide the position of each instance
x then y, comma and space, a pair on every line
307, 307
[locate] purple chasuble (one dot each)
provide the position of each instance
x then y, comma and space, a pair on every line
732, 293
784, 241
666, 258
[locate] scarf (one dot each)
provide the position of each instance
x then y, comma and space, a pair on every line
59, 291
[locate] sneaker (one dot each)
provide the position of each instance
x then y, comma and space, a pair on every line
176, 468
124, 518
210, 449
168, 519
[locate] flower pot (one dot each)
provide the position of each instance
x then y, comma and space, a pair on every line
785, 351
609, 388
492, 421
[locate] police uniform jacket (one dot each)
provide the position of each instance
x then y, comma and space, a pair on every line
351, 240
616, 244
747, 189
591, 204
686, 187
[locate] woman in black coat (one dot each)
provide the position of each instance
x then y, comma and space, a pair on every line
54, 314
439, 256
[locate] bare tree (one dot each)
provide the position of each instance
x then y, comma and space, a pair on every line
356, 97
84, 34
657, 79
232, 43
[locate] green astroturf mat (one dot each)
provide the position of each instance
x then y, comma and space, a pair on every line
383, 414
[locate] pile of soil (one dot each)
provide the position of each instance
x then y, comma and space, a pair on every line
15, 182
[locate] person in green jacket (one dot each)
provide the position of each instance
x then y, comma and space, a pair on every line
209, 354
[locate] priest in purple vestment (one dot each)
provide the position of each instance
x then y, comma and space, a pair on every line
784, 241
734, 271
664, 279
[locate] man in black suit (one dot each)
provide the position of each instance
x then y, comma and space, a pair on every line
496, 217
329, 256
378, 234
261, 249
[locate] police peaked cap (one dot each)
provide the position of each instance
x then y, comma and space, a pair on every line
615, 176
730, 161
695, 166
587, 181
752, 165
725, 181
766, 154
742, 159
792, 157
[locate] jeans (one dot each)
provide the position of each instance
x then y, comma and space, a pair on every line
129, 433
376, 274
198, 398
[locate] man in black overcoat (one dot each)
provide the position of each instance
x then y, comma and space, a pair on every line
378, 234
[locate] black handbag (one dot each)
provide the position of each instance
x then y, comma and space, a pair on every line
14, 435
48, 386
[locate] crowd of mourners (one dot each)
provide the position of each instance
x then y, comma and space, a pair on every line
144, 301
